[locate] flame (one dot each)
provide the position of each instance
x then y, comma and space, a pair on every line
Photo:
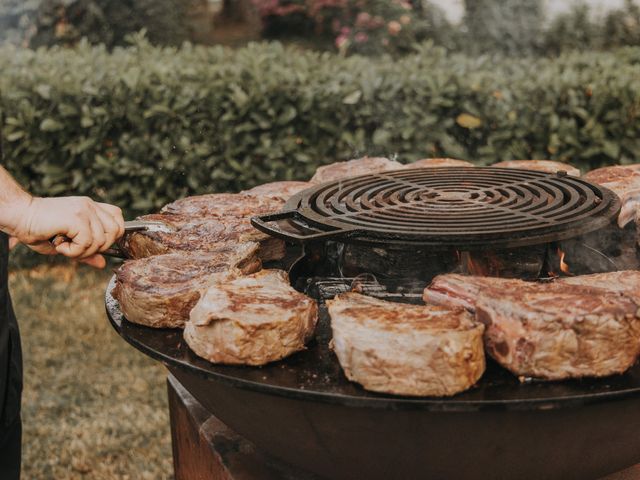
486, 265
564, 267
473, 267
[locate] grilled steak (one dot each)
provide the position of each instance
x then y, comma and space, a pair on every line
439, 162
200, 223
250, 320
625, 182
452, 290
352, 168
279, 190
626, 282
548, 166
463, 291
203, 235
217, 205
406, 349
160, 291
557, 331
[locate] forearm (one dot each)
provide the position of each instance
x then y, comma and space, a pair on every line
13, 202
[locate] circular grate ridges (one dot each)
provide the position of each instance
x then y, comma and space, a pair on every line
453, 206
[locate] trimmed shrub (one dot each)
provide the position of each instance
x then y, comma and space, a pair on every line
142, 126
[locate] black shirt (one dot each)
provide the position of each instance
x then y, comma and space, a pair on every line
10, 351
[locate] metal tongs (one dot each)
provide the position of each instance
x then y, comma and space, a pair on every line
118, 250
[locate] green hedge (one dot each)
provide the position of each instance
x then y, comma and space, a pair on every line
142, 126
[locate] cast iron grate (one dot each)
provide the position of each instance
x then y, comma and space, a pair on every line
452, 206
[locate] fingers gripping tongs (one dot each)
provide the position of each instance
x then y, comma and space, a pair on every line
119, 250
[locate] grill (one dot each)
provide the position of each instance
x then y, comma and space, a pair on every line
453, 207
304, 410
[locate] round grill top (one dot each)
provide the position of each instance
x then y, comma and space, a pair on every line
451, 206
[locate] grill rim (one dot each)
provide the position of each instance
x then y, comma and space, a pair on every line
301, 214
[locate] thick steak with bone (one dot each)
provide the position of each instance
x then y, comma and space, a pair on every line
200, 223
217, 205
557, 331
406, 349
250, 320
282, 191
626, 282
352, 168
455, 290
203, 235
161, 290
624, 180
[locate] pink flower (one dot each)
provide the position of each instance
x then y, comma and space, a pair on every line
342, 41
361, 37
363, 19
405, 19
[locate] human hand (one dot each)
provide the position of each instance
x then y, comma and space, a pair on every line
91, 227
13, 243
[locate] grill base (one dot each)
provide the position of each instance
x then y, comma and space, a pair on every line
204, 447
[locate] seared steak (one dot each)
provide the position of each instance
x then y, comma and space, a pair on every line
454, 290
250, 320
547, 166
204, 235
217, 205
626, 282
352, 168
160, 291
557, 331
439, 162
200, 223
624, 180
279, 190
406, 349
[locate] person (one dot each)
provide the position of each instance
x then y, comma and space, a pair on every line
90, 227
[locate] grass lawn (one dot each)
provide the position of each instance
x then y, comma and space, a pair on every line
93, 407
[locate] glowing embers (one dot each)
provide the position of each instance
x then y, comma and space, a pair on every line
525, 263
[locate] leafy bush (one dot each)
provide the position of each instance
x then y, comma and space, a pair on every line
142, 126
